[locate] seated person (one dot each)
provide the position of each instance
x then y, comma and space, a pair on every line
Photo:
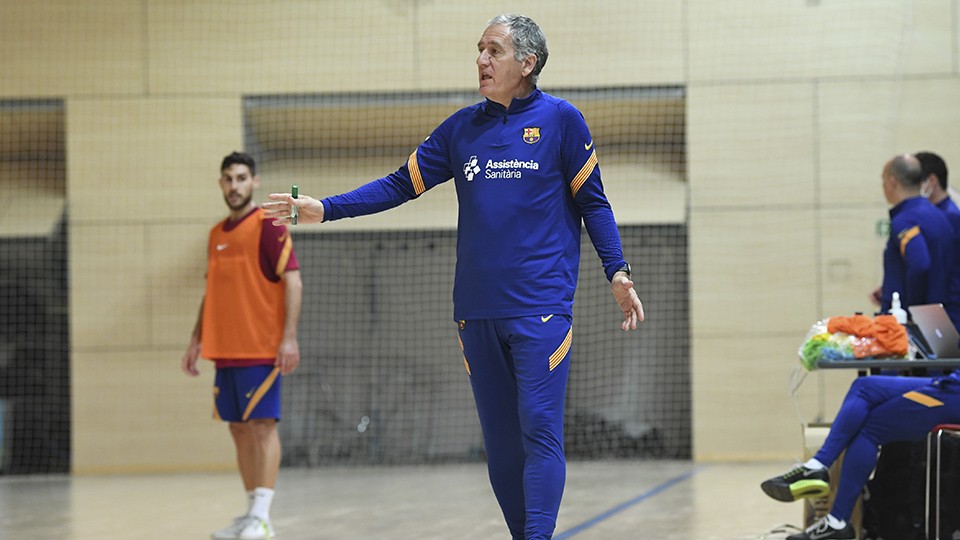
919, 263
876, 410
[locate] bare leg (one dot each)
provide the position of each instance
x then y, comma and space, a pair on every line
258, 452
242, 440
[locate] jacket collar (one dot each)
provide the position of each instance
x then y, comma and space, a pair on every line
517, 105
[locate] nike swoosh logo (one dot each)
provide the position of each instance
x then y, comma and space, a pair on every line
545, 318
821, 531
588, 146
221, 247
250, 393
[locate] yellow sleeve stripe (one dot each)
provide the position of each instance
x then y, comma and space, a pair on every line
923, 399
561, 352
415, 177
284, 254
216, 412
465, 363
906, 236
261, 390
584, 173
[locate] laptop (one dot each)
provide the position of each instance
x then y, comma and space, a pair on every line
937, 329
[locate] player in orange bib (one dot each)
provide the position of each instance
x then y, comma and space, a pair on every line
248, 328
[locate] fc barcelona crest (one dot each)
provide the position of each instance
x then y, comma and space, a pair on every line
531, 135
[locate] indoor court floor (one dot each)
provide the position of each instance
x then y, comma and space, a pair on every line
607, 500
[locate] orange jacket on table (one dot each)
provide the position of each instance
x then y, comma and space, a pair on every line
889, 338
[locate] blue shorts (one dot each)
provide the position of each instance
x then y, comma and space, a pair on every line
243, 393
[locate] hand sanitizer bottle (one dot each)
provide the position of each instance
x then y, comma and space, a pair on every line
898, 312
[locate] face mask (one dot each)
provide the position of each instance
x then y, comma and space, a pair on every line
926, 189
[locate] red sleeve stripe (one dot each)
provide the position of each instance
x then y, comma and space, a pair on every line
415, 177
584, 173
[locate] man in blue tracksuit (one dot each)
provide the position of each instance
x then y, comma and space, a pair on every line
526, 175
934, 188
919, 259
919, 262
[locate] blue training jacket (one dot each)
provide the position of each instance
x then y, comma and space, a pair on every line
949, 208
920, 258
526, 179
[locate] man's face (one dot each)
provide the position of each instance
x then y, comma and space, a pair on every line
888, 182
501, 75
237, 185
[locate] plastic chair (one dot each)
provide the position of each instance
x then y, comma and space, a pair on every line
934, 447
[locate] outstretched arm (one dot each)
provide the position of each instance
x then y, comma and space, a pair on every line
426, 167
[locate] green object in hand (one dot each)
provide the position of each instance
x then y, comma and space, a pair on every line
293, 209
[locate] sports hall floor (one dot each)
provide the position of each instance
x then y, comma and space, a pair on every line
609, 500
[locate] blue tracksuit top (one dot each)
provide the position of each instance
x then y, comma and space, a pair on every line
920, 258
949, 208
953, 213
525, 178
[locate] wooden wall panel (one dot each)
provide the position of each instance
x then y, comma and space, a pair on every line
755, 39
136, 412
59, 47
742, 408
750, 145
752, 272
148, 159
108, 288
280, 47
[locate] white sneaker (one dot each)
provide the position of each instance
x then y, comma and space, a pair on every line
254, 528
232, 531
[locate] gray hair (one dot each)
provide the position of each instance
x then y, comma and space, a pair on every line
527, 39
